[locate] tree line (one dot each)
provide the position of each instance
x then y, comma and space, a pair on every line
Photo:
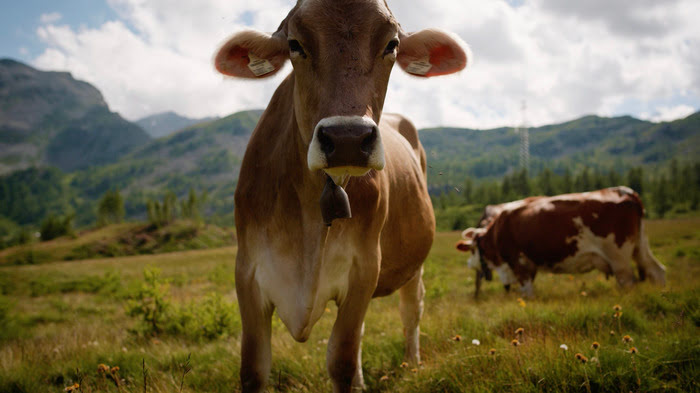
675, 189
109, 210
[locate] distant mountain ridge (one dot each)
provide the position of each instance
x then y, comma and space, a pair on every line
50, 118
617, 143
166, 123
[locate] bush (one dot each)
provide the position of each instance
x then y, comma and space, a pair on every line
151, 302
210, 318
110, 208
8, 325
55, 226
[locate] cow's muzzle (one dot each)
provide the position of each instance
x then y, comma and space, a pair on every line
346, 145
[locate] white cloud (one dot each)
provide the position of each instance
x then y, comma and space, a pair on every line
51, 17
668, 113
565, 59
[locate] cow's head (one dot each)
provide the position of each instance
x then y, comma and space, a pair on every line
342, 53
469, 243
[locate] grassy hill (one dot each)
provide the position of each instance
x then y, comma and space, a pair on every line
120, 240
59, 321
51, 119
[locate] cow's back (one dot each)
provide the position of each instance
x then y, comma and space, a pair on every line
549, 230
410, 226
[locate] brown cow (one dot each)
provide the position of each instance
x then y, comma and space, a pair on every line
323, 123
571, 233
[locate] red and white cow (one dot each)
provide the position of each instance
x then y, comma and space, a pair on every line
324, 154
570, 233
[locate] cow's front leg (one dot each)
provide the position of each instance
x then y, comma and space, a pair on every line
343, 355
411, 309
255, 338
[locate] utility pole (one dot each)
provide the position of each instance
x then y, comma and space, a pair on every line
522, 130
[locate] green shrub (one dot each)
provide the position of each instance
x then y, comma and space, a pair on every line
207, 319
55, 226
8, 324
29, 257
151, 302
215, 317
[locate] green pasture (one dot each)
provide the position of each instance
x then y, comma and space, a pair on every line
170, 322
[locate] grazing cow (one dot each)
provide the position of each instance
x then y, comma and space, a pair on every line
322, 151
571, 233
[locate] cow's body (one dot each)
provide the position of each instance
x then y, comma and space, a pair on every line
322, 129
571, 233
307, 264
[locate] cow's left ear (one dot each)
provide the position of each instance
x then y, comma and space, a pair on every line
464, 245
252, 54
432, 52
470, 233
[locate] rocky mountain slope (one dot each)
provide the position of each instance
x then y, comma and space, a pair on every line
52, 119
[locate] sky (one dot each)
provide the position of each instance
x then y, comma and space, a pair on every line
563, 58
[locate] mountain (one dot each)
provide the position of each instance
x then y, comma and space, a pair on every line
50, 118
164, 124
617, 143
205, 156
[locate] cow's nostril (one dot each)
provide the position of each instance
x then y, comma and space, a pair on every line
367, 145
326, 142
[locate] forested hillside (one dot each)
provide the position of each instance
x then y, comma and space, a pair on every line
618, 144
61, 150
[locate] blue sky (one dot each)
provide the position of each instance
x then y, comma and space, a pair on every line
566, 59
20, 19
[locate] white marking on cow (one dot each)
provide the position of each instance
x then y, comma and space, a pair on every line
527, 289
315, 157
596, 252
505, 273
474, 260
299, 313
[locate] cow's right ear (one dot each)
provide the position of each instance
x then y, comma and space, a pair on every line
252, 54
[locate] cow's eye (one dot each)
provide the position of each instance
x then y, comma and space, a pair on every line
295, 47
391, 46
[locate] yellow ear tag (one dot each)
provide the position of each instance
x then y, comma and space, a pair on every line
419, 67
259, 66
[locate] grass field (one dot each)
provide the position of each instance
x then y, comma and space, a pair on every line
59, 321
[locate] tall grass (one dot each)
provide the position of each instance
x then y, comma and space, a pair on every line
58, 318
